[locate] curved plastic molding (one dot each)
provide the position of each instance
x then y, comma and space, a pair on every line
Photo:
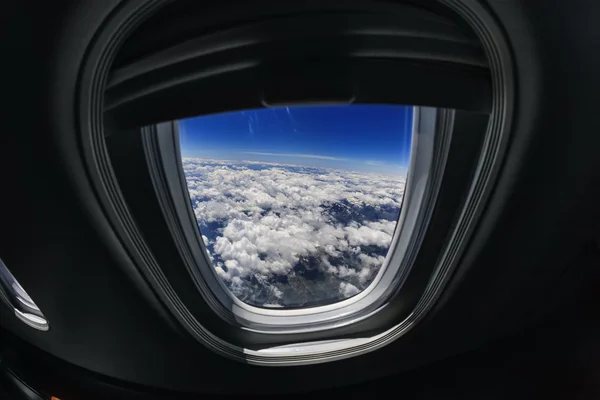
113, 210
17, 298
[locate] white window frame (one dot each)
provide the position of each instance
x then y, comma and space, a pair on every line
406, 240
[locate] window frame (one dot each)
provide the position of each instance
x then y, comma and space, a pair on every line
427, 161
138, 248
21, 303
140, 173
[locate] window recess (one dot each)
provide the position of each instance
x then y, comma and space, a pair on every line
398, 55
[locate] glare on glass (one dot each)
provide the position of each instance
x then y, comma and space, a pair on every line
297, 206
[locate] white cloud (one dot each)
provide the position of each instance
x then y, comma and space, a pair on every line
367, 236
348, 289
266, 219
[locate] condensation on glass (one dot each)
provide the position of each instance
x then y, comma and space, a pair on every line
297, 206
19, 301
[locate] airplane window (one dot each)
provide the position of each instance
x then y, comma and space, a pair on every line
298, 206
17, 298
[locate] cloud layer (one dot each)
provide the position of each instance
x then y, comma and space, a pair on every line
290, 236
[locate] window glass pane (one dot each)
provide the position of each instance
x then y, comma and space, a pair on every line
297, 206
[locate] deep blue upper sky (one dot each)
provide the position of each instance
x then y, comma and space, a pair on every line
359, 137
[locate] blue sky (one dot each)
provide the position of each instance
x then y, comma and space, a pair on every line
370, 138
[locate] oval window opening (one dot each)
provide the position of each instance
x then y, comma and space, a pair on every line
298, 206
17, 298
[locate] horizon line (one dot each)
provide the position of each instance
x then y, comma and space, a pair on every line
373, 163
403, 173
